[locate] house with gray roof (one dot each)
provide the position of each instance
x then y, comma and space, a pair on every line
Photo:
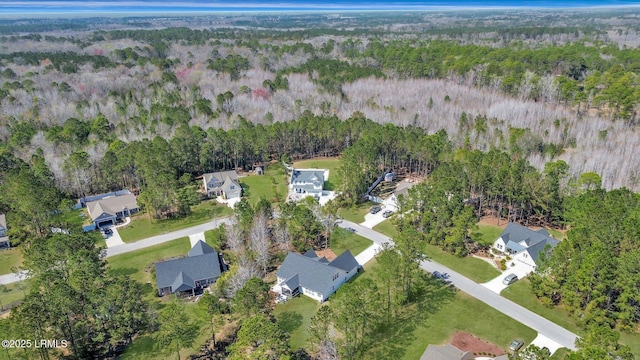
109, 210
202, 266
314, 276
525, 245
4, 239
446, 352
222, 183
307, 182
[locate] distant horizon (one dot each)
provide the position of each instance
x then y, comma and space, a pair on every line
78, 8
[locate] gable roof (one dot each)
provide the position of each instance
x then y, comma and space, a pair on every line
308, 176
313, 273
345, 261
445, 352
202, 263
518, 238
220, 176
230, 186
111, 205
200, 248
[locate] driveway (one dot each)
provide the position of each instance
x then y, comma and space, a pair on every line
520, 269
367, 254
114, 239
12, 278
543, 341
196, 237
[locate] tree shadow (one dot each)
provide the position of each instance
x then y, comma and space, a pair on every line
392, 340
290, 321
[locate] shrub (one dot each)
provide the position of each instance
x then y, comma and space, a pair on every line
503, 264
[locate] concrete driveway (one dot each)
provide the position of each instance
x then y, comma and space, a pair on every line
543, 341
521, 270
114, 239
194, 238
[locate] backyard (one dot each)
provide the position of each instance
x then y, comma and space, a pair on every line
294, 316
271, 186
330, 164
143, 226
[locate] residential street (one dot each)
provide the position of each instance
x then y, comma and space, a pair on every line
543, 326
144, 243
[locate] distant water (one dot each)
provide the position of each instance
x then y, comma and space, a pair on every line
162, 6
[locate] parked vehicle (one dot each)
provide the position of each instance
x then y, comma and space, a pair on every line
387, 213
516, 344
350, 229
510, 279
374, 210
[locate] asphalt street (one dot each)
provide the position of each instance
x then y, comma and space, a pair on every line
543, 326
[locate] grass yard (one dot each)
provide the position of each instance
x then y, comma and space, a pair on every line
135, 263
9, 259
142, 226
272, 186
356, 213
489, 233
475, 269
330, 164
556, 234
13, 292
294, 317
342, 240
520, 293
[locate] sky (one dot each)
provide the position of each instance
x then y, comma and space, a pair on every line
126, 6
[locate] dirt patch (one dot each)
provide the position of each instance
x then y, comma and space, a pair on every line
328, 253
467, 342
493, 221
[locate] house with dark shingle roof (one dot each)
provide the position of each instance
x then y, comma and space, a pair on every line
314, 276
202, 266
4, 239
222, 183
523, 244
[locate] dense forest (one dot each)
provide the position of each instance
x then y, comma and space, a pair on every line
536, 124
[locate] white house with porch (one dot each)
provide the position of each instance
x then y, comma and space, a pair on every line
525, 245
313, 276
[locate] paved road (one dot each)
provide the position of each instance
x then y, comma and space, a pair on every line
141, 244
163, 238
536, 322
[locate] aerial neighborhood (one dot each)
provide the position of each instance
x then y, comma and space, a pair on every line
320, 185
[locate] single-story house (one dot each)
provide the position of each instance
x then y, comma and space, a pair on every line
446, 352
314, 276
523, 244
4, 239
202, 266
222, 183
305, 182
109, 210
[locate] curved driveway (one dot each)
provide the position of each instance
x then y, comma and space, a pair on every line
543, 326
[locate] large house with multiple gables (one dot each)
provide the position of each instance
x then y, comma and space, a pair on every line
314, 276
222, 183
525, 245
109, 210
307, 182
202, 266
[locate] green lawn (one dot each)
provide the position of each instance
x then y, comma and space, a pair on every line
330, 164
356, 213
142, 226
435, 317
214, 238
556, 234
475, 269
489, 233
12, 292
294, 316
342, 240
9, 259
272, 186
520, 293
138, 264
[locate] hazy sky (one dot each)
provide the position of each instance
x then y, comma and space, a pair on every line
79, 6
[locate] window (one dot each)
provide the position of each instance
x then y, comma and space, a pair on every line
499, 246
335, 276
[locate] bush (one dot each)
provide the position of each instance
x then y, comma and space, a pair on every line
503, 264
